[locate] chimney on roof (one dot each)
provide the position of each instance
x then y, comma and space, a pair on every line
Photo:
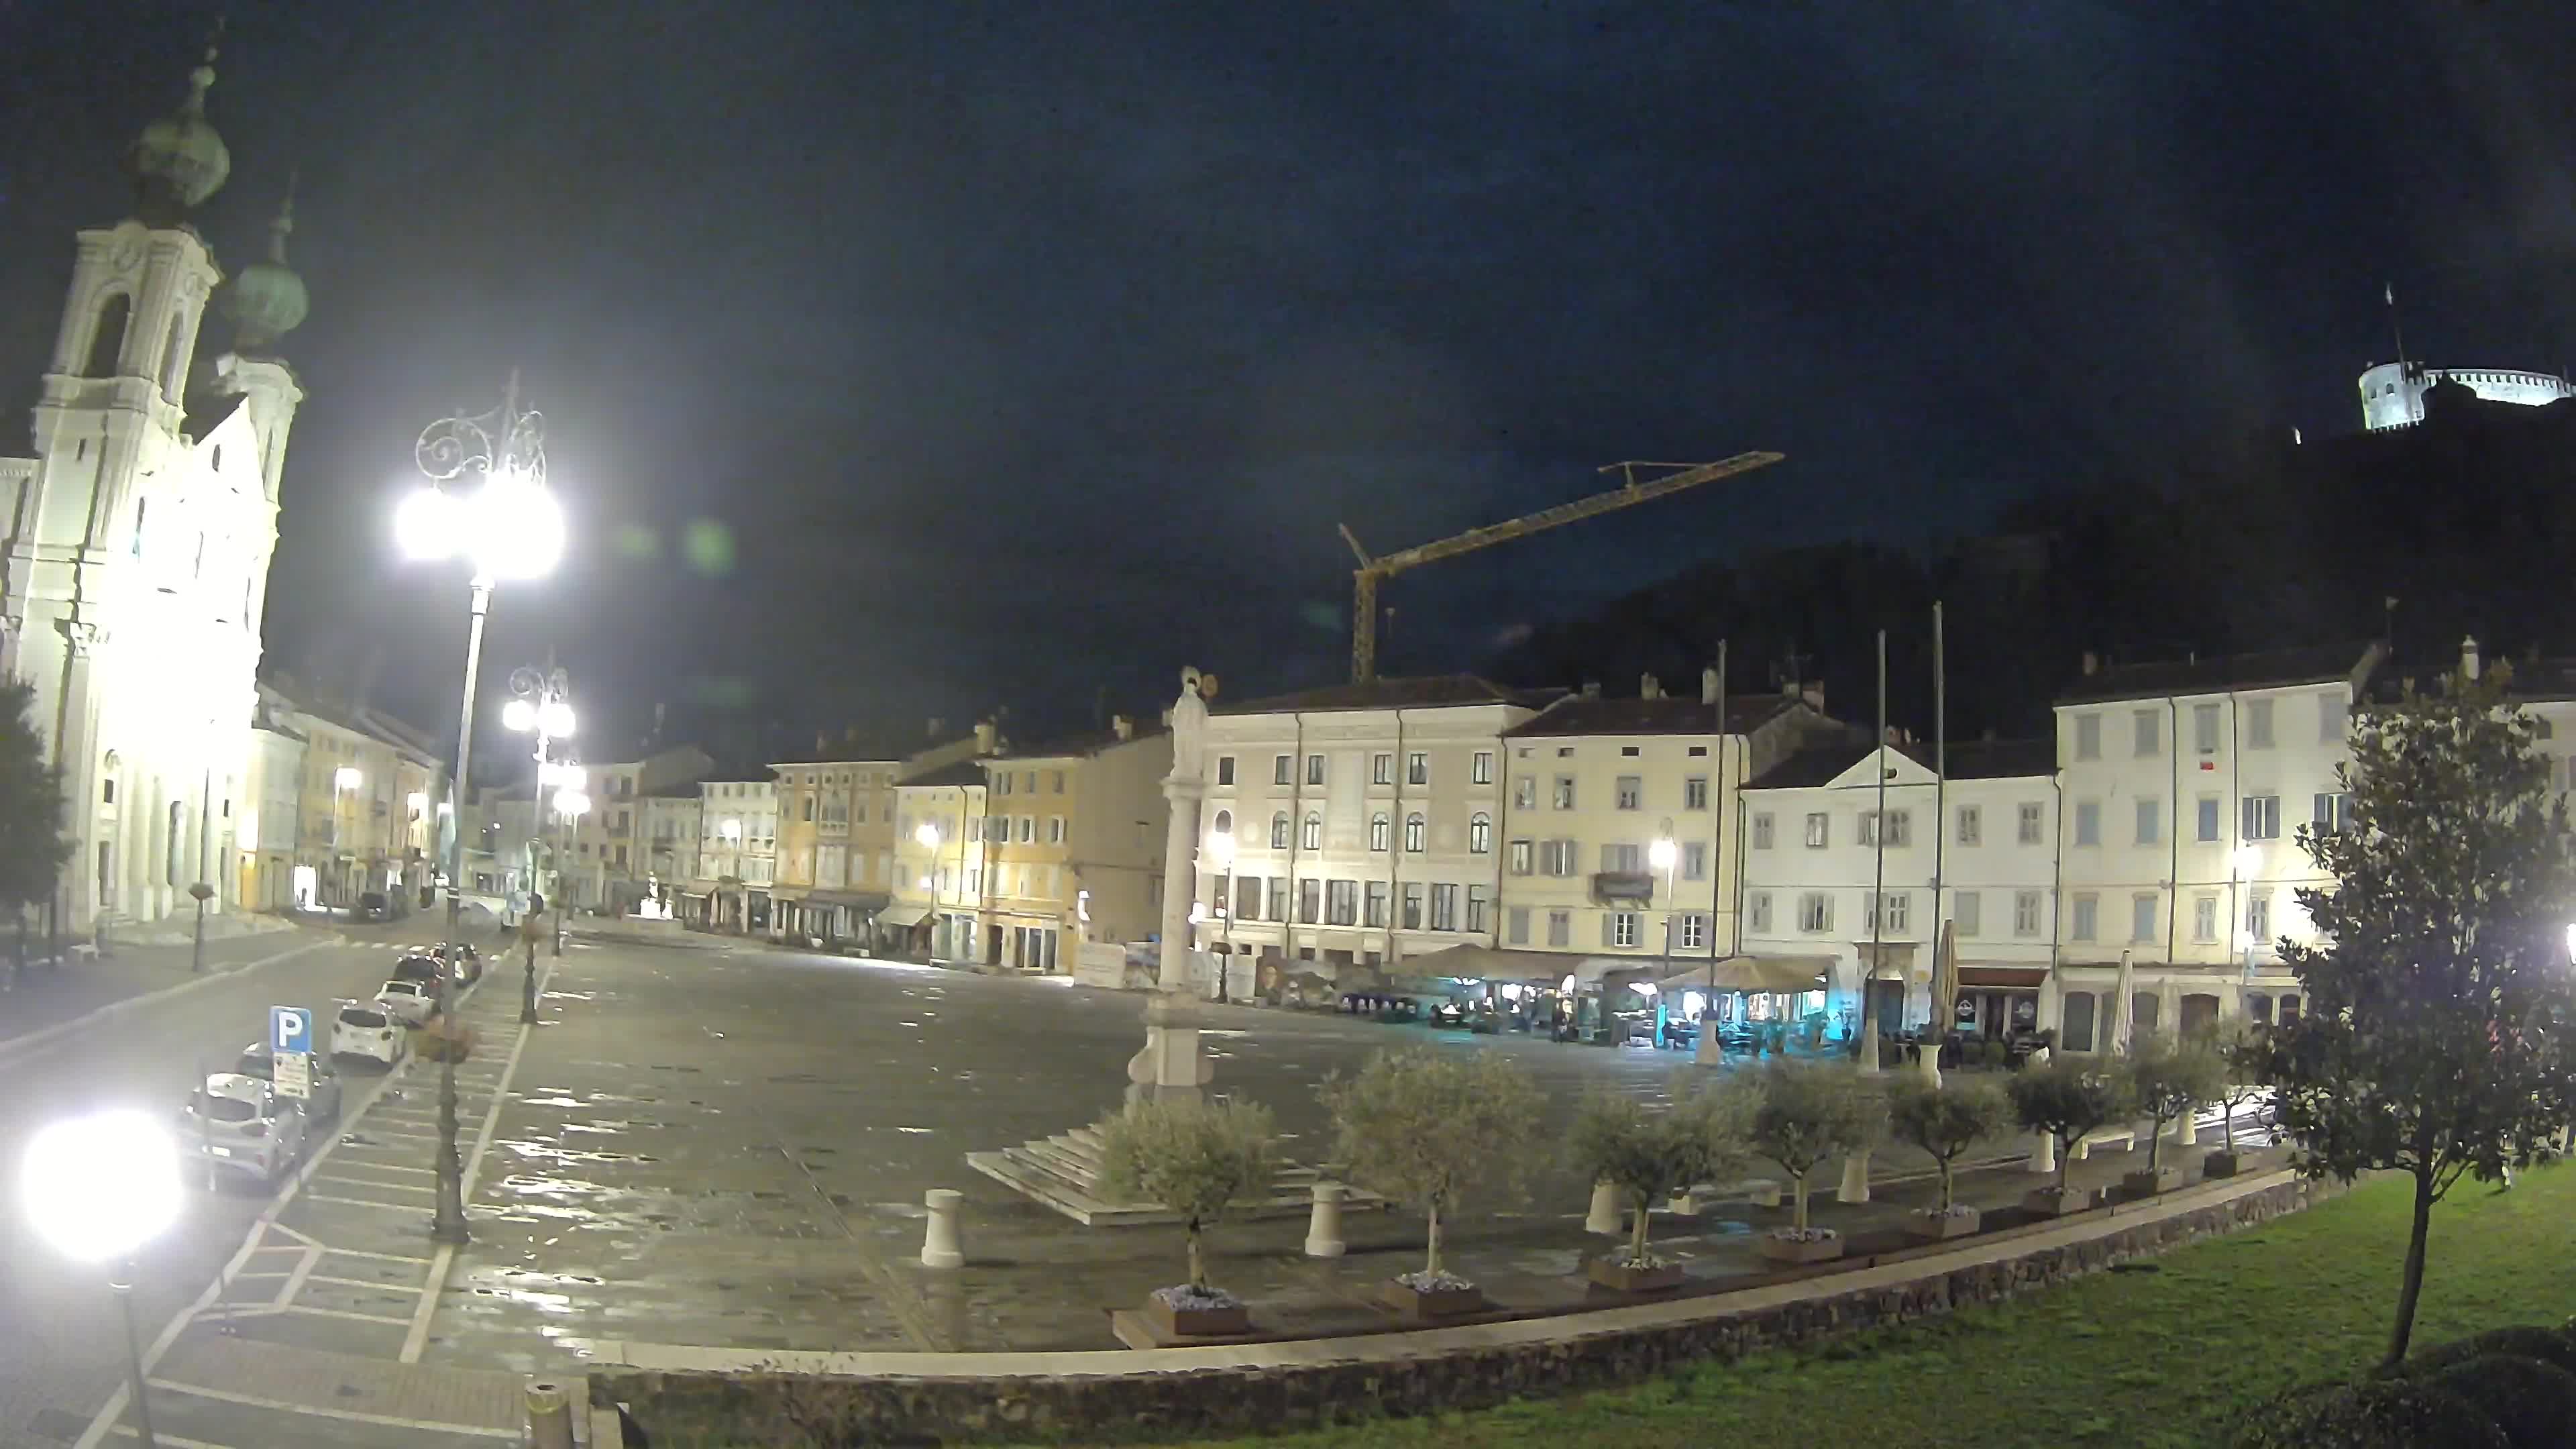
1813, 692
1708, 686
822, 743
935, 723
2092, 663
987, 737
850, 734
1650, 688
2469, 656
1123, 726
1592, 689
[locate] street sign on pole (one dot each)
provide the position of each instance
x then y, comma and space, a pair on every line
290, 1029
292, 1073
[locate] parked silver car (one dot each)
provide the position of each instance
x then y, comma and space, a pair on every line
324, 1103
239, 1124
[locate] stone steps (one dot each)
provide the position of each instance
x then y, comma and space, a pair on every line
1063, 1172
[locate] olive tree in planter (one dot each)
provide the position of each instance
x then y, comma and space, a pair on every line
1197, 1158
1810, 1113
1647, 1153
1427, 1127
1946, 1121
2240, 1050
2066, 1099
2167, 1078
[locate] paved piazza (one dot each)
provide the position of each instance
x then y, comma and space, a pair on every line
721, 1144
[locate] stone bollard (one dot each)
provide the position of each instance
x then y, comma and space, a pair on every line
549, 1416
1930, 1064
1855, 1186
2186, 1128
1605, 1218
939, 1246
1324, 1228
2043, 1154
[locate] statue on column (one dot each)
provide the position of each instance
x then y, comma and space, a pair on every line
1171, 1061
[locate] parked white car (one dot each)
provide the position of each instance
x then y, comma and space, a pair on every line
360, 1030
241, 1125
407, 1001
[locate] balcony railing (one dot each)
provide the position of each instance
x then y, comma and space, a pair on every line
1623, 885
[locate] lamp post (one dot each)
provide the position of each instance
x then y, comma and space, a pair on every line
98, 1188
538, 705
1220, 851
1662, 855
731, 831
486, 502
927, 836
345, 781
201, 892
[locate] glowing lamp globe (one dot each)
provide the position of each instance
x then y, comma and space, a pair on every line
427, 527
347, 778
1220, 848
928, 834
555, 717
519, 715
101, 1186
1661, 854
571, 802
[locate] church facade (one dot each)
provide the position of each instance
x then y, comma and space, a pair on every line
135, 568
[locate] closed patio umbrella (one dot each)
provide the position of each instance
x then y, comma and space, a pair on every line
2123, 1010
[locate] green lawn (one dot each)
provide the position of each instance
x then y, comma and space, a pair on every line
2165, 1353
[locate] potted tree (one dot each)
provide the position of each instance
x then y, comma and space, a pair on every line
1197, 1158
2066, 1099
1647, 1153
1426, 1127
1809, 1113
1945, 1121
2168, 1077
2240, 1050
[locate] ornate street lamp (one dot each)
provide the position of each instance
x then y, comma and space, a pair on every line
538, 704
97, 1189
1220, 853
487, 503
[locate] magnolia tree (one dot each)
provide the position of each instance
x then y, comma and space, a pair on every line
2067, 1099
1429, 1127
1810, 1112
2436, 1039
1648, 1153
1947, 1120
32, 844
2168, 1077
1197, 1158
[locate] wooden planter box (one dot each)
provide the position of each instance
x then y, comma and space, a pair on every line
2147, 1183
1801, 1250
1623, 1278
1197, 1322
1941, 1227
2047, 1202
1438, 1303
2219, 1164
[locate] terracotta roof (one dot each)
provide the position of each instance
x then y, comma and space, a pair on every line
1423, 692
1073, 746
1999, 759
1817, 765
1579, 715
1966, 760
2222, 672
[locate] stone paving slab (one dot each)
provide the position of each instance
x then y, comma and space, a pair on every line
344, 1387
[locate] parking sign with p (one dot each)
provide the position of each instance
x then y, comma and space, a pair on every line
290, 1029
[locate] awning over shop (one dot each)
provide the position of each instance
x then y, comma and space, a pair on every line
854, 900
1488, 963
2020, 978
902, 915
1754, 973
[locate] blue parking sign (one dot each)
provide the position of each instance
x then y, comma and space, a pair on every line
290, 1029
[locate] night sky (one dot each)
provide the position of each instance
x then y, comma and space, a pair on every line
997, 354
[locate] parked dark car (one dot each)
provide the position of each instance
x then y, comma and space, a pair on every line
418, 966
323, 1105
469, 962
374, 907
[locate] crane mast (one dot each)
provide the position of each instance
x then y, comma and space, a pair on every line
1365, 578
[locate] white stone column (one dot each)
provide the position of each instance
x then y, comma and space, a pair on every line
939, 1245
2043, 1153
1170, 1062
1324, 1225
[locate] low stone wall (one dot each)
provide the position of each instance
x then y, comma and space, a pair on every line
1130, 1398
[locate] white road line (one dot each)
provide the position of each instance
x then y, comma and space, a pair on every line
328, 1251
432, 1284
392, 1167
365, 1283
392, 1421
364, 1202
312, 1312
445, 1261
173, 1440
295, 1281
387, 1184
280, 1247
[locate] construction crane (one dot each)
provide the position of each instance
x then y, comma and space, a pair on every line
1366, 577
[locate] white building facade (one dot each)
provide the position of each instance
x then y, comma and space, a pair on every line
141, 532
2183, 787
737, 852
1832, 884
940, 895
1367, 822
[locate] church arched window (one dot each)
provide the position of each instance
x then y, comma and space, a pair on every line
107, 339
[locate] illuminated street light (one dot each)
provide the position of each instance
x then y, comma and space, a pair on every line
98, 1188
537, 705
347, 777
485, 501
571, 802
1662, 854
928, 835
1220, 853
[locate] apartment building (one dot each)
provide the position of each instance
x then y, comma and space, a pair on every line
1073, 842
836, 831
610, 867
368, 799
1593, 784
939, 889
1364, 820
737, 851
1838, 876
2183, 789
670, 823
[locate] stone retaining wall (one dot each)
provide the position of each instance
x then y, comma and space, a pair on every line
1406, 1374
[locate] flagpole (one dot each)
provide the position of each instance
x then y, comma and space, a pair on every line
1706, 1049
1878, 891
1940, 815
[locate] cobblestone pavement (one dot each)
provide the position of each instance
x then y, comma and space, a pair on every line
722, 1144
